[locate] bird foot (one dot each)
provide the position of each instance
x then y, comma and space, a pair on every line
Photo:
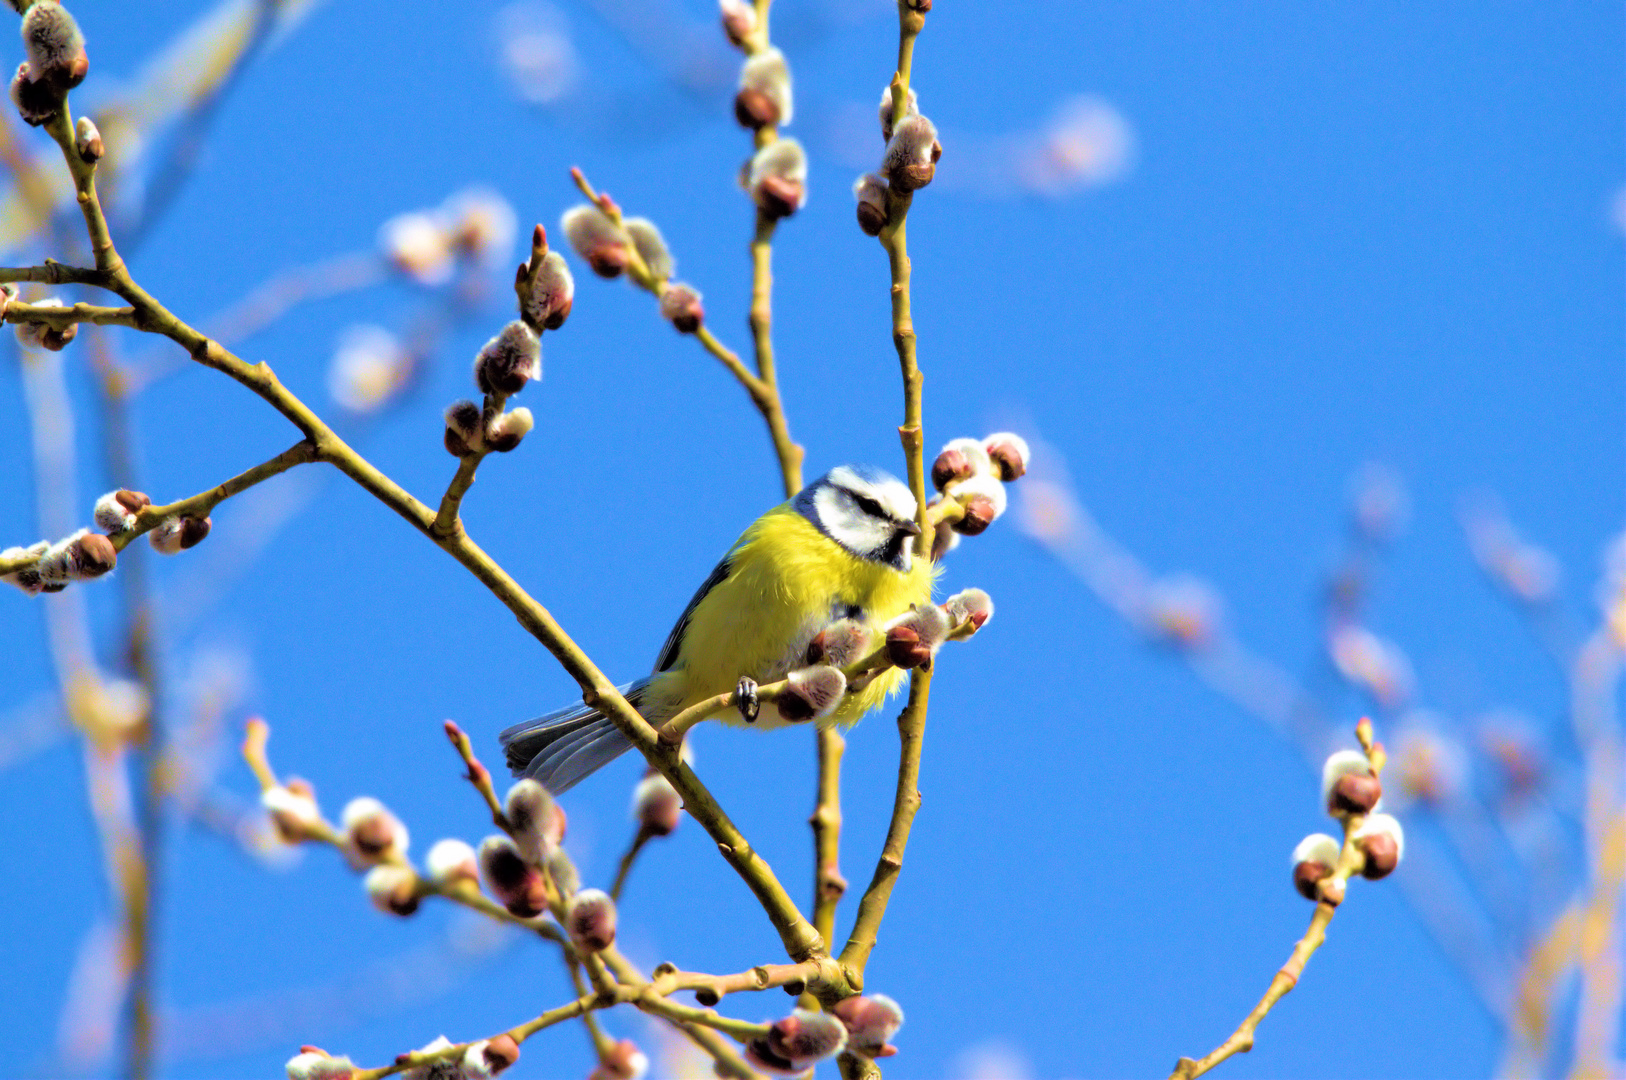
745, 699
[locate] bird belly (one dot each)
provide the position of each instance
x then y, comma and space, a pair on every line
786, 582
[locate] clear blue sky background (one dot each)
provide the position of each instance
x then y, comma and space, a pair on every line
1351, 232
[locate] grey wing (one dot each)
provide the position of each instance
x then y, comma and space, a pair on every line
674, 640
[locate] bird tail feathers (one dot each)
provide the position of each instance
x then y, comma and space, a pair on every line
560, 749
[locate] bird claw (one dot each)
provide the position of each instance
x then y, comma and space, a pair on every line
745, 699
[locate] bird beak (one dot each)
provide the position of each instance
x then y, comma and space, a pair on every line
912, 528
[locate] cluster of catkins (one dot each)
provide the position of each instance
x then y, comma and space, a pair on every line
776, 176
56, 60
513, 358
474, 224
479, 1061
815, 690
908, 164
85, 554
610, 245
972, 475
1351, 793
859, 1025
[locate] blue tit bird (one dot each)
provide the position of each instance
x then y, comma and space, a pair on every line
841, 549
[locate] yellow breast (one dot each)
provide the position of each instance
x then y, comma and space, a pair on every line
786, 582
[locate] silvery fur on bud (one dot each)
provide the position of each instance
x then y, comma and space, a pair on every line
797, 1042
1009, 453
464, 434
28, 578
739, 20
54, 45
872, 1020
372, 832
680, 306
812, 692
911, 107
506, 431
1313, 859
1383, 842
871, 192
651, 246
911, 154
508, 361
970, 605
590, 920
777, 178
175, 534
392, 889
450, 862
516, 884
116, 511
552, 293
488, 1057
596, 239
656, 805
314, 1064
530, 812
293, 810
1347, 784
764, 98
841, 643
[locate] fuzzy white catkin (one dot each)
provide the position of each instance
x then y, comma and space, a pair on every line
911, 107
51, 37
651, 246
1014, 441
985, 486
418, 245
970, 604
451, 861
554, 290
975, 453
929, 621
821, 686
587, 227
783, 158
111, 516
1317, 847
769, 75
315, 1065
1339, 765
911, 144
1383, 825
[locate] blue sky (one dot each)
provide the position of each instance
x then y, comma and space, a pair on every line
1348, 233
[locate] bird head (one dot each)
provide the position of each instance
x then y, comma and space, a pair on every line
867, 511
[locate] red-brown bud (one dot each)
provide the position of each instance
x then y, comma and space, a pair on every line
499, 1053
1009, 453
1354, 793
980, 513
951, 465
905, 649
754, 109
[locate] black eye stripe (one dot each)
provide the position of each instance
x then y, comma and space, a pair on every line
868, 505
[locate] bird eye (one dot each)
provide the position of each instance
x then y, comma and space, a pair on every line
868, 505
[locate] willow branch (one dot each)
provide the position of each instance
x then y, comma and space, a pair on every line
828, 883
1330, 893
639, 839
872, 908
912, 720
59, 317
799, 937
761, 387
